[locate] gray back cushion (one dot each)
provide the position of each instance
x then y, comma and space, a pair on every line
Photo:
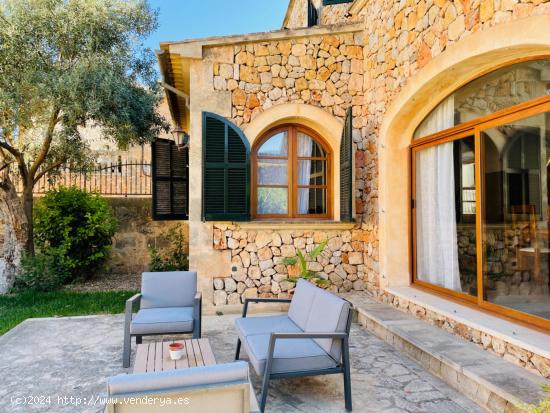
301, 303
168, 289
328, 314
315, 310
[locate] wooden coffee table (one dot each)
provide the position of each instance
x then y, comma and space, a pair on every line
155, 355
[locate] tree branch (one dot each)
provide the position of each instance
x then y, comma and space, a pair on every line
46, 143
48, 169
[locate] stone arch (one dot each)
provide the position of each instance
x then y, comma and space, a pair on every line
315, 118
462, 62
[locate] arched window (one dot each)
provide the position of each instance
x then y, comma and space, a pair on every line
291, 174
481, 193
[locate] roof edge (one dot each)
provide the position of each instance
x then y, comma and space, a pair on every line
193, 48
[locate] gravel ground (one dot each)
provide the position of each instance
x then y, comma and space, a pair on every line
108, 282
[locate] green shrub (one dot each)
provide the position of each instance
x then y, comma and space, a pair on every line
73, 230
174, 258
41, 272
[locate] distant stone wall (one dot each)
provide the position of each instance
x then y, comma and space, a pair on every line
137, 232
257, 268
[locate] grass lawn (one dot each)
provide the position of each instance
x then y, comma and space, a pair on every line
15, 308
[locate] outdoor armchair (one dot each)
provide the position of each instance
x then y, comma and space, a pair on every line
216, 388
168, 304
312, 339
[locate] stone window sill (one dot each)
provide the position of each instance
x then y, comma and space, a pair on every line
297, 225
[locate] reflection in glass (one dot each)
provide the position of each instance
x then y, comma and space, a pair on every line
272, 171
501, 89
312, 172
307, 147
277, 145
272, 201
445, 223
312, 201
515, 223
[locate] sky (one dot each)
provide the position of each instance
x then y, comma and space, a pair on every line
188, 19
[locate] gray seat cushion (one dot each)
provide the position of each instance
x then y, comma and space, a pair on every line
168, 289
163, 320
178, 379
290, 354
265, 325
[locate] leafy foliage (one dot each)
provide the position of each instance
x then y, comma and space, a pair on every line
175, 257
41, 272
302, 261
73, 231
66, 65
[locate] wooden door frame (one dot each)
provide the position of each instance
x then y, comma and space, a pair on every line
474, 128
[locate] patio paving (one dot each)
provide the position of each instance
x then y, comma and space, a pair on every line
69, 357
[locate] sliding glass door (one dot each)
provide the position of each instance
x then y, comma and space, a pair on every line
480, 212
515, 162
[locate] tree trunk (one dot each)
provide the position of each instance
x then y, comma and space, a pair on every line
17, 231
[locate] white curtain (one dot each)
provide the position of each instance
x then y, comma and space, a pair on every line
305, 145
437, 249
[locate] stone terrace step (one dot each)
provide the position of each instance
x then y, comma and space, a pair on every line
494, 383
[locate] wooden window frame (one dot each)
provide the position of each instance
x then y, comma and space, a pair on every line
292, 168
474, 128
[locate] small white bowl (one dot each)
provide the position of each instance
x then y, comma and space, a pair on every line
176, 351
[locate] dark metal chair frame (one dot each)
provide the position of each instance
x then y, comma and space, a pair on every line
343, 364
136, 299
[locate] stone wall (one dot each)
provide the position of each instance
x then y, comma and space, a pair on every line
325, 71
333, 14
258, 270
137, 232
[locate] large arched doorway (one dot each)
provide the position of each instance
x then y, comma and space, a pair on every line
448, 151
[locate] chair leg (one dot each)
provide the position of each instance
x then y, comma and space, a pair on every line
238, 352
139, 339
347, 376
126, 349
265, 390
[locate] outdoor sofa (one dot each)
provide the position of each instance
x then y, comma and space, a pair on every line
168, 304
207, 389
312, 339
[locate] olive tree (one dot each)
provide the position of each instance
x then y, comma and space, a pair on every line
64, 65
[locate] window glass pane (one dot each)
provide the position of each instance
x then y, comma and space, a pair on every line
312, 201
445, 228
277, 145
307, 147
312, 172
503, 88
272, 171
272, 201
515, 221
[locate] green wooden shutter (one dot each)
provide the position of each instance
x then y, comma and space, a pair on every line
226, 171
170, 172
346, 170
